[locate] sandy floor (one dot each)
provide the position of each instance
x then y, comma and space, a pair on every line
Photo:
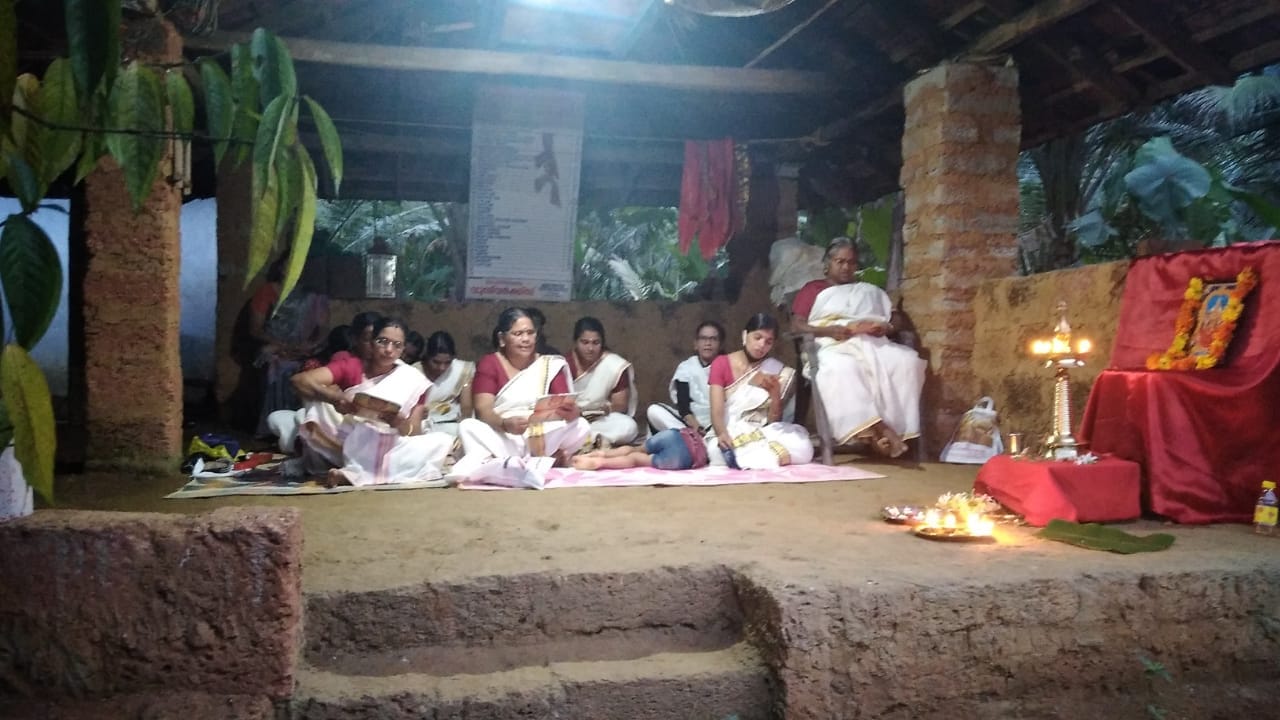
820, 533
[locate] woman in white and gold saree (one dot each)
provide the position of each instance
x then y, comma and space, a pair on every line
508, 386
749, 392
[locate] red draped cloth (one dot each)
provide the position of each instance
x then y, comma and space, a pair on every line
1042, 490
1206, 439
706, 196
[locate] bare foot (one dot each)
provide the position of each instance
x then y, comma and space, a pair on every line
335, 478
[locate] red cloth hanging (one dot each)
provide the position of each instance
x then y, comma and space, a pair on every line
1205, 438
706, 196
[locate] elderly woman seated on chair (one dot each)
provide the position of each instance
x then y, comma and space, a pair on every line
868, 385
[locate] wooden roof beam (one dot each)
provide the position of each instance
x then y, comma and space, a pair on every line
1149, 20
1026, 23
538, 65
1229, 25
789, 34
1085, 63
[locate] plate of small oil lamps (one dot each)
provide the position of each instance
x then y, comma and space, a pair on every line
903, 514
975, 528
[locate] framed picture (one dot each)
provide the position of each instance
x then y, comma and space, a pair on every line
1209, 321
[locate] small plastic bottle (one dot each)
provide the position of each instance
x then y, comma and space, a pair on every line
1266, 511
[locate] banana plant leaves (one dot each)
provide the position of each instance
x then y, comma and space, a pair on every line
1093, 536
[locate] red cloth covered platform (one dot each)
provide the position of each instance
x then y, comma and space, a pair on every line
1042, 490
1206, 439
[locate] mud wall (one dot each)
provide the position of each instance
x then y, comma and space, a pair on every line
1010, 312
149, 615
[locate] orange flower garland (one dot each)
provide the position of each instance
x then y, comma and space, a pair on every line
1176, 357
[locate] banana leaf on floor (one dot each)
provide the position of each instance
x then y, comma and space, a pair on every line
1099, 537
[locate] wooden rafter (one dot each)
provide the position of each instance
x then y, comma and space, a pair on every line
1258, 14
1149, 20
1034, 19
1085, 63
539, 65
790, 34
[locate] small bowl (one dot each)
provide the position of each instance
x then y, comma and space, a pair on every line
903, 514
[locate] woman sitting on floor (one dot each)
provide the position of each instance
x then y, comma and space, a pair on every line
449, 399
509, 383
605, 383
362, 418
749, 390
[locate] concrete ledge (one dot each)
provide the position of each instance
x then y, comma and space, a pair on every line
96, 604
1023, 650
184, 706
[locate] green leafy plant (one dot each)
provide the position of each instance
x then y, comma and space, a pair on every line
89, 105
1186, 203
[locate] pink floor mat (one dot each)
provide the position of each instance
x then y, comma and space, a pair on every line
813, 472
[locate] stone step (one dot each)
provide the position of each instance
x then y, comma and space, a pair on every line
732, 682
549, 615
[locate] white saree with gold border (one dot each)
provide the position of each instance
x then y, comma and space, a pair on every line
757, 443
368, 451
865, 379
516, 400
595, 385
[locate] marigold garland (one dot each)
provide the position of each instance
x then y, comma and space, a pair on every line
1176, 357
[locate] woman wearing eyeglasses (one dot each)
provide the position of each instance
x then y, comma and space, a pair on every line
522, 403
362, 417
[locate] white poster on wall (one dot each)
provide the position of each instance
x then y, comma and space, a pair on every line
526, 156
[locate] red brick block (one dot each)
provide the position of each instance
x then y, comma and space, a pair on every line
95, 605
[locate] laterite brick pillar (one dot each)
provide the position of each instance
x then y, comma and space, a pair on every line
133, 372
959, 176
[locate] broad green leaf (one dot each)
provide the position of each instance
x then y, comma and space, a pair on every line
32, 277
30, 408
8, 62
262, 238
219, 105
1091, 229
6, 425
137, 104
95, 146
181, 104
289, 175
330, 144
26, 90
57, 104
23, 181
267, 143
1100, 537
303, 225
93, 38
1164, 182
1268, 213
272, 66
244, 90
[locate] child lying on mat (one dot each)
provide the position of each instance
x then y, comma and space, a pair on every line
675, 449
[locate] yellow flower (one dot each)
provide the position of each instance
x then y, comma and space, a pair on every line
1205, 362
1164, 363
1232, 313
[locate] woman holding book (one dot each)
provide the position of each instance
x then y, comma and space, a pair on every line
362, 417
449, 399
749, 391
522, 399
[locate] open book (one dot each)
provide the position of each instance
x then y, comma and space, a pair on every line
550, 403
